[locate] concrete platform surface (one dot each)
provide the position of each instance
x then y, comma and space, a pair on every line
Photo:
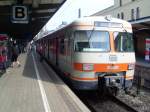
34, 87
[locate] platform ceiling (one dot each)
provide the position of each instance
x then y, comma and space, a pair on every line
39, 12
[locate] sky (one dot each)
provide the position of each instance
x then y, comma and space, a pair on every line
69, 11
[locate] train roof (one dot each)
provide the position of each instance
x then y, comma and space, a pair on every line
100, 18
90, 21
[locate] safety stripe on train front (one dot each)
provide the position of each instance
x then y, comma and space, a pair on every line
103, 67
94, 79
84, 79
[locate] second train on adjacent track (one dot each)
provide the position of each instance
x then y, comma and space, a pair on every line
92, 52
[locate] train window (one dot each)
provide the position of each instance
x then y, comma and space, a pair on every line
62, 46
91, 41
107, 24
123, 42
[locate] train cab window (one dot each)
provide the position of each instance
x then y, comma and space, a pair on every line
123, 42
88, 41
80, 45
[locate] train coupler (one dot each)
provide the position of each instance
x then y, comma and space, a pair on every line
110, 84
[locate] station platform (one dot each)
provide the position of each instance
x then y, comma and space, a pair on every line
141, 62
34, 87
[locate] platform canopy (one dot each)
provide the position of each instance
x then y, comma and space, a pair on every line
23, 19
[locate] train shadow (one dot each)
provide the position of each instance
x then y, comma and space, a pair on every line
45, 72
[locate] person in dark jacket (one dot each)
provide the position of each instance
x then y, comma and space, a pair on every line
15, 54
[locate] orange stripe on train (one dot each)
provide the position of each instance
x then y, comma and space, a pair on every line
94, 79
103, 67
84, 79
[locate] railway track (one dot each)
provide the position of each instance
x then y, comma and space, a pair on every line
104, 104
123, 104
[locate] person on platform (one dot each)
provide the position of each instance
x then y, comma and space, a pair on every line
15, 54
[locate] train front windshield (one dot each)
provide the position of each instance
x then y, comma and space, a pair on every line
91, 41
123, 42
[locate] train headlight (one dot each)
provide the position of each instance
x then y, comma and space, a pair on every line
131, 66
88, 66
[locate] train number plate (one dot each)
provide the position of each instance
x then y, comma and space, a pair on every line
112, 58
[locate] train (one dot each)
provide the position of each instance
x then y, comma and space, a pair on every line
92, 52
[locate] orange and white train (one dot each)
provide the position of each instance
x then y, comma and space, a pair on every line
93, 52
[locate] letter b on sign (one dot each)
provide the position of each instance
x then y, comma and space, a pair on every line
20, 14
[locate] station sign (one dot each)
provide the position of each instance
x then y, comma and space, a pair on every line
20, 14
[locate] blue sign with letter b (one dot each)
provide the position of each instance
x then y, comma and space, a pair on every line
19, 14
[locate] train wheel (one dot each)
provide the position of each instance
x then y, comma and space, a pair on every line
113, 91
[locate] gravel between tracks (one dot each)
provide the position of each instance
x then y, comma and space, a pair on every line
139, 102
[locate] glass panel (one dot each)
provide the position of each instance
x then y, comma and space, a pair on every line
123, 42
91, 41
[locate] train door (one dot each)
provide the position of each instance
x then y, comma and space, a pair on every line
48, 48
72, 49
54, 51
45, 48
57, 51
69, 49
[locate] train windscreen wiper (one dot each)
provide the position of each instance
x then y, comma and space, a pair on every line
89, 38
